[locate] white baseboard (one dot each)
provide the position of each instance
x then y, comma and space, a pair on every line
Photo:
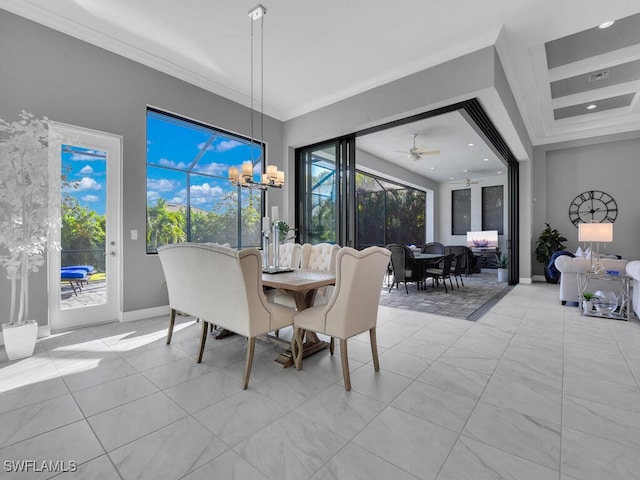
144, 313
525, 280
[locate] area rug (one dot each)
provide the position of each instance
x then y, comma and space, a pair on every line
480, 292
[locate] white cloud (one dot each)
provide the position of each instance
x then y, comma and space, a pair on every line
91, 198
86, 170
152, 197
205, 191
88, 183
165, 162
179, 200
217, 169
161, 184
226, 145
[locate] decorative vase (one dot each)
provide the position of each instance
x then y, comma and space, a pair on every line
503, 274
20, 339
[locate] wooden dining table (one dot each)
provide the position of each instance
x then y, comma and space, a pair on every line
302, 285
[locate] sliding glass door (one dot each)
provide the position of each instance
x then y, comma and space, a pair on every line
326, 176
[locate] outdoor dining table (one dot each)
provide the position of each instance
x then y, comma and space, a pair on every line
302, 285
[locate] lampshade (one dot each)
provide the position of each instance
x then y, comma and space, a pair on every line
595, 232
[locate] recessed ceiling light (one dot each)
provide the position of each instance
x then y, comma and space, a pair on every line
450, 178
606, 24
432, 168
499, 172
592, 106
485, 159
470, 145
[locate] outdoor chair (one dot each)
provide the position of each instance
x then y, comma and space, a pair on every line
459, 267
441, 273
404, 265
222, 286
433, 247
353, 307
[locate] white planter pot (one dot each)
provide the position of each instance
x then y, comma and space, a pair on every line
503, 274
20, 339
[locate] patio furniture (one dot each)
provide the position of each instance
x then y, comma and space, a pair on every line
221, 286
443, 272
460, 262
405, 267
353, 307
433, 247
76, 275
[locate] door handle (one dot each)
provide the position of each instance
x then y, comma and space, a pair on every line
113, 254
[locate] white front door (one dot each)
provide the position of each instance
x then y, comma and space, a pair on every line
85, 266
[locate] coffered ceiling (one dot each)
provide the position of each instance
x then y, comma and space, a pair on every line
557, 61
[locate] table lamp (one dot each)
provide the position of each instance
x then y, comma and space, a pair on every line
595, 232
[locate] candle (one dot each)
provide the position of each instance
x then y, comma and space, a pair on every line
265, 224
274, 213
272, 172
265, 179
280, 177
233, 173
247, 169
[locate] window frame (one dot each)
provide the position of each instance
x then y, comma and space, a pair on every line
189, 171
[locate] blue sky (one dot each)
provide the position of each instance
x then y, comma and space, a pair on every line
175, 144
86, 169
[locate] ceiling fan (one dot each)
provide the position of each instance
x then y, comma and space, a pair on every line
415, 153
467, 182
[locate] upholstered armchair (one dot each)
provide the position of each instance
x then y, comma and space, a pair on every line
321, 256
633, 270
290, 254
353, 307
569, 268
221, 286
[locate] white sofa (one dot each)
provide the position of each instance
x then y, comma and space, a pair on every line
633, 270
569, 268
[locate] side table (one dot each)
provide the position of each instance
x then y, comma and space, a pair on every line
620, 285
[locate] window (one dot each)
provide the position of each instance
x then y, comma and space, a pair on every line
388, 212
189, 197
493, 208
460, 211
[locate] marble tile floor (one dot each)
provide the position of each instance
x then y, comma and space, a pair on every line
530, 391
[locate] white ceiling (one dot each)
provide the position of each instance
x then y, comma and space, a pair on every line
316, 53
463, 153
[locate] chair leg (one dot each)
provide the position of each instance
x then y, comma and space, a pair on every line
172, 322
461, 281
251, 346
203, 339
345, 364
406, 288
297, 347
374, 349
332, 345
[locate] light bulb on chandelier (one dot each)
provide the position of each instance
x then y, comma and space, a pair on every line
244, 176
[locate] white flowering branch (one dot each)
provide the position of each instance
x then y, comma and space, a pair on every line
25, 217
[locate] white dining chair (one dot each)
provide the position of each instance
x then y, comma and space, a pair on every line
290, 255
221, 286
353, 307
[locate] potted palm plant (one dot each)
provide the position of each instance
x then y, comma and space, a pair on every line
25, 220
549, 242
502, 262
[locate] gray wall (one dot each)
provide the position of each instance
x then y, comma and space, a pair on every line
51, 74
445, 236
563, 170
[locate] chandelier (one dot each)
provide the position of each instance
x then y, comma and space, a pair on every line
243, 176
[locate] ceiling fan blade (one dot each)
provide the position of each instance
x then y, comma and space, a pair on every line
428, 152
